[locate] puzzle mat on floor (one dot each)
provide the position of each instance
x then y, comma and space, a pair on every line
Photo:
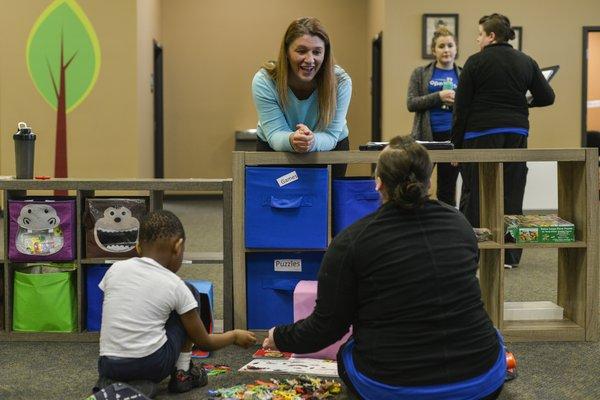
294, 366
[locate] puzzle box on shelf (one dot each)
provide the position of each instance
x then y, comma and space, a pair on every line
538, 229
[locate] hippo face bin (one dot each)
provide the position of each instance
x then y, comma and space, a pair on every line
112, 226
41, 230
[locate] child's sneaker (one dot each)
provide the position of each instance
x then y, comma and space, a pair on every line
183, 381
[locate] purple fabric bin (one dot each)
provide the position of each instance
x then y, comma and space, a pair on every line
41, 230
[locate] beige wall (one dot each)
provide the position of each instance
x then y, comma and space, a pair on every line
551, 35
102, 133
213, 49
593, 114
149, 30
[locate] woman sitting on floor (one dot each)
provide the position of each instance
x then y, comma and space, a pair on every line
404, 278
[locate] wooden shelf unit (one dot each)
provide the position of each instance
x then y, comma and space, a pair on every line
578, 268
85, 188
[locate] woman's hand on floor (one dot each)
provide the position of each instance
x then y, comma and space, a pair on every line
269, 342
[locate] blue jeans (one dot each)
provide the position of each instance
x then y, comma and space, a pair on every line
156, 366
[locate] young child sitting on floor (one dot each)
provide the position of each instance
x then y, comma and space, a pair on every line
151, 317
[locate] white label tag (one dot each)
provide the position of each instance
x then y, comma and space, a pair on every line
287, 178
287, 265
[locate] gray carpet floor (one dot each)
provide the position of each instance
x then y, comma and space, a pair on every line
68, 370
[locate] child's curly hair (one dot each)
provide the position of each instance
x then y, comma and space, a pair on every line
160, 224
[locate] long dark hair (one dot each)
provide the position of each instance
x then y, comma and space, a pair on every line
500, 25
404, 168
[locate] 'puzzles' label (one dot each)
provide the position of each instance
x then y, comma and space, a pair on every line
287, 178
289, 265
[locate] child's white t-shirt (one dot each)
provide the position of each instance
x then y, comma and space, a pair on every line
139, 296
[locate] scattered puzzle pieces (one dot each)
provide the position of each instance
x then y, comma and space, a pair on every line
303, 387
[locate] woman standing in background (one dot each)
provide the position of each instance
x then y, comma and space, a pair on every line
302, 99
492, 112
431, 97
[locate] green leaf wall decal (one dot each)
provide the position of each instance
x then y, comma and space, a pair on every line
63, 49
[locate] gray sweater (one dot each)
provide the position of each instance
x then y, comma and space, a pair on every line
419, 100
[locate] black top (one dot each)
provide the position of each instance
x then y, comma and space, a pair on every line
406, 282
491, 91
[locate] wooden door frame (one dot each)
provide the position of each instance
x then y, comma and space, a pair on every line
584, 81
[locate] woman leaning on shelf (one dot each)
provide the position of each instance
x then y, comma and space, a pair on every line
491, 111
302, 98
430, 97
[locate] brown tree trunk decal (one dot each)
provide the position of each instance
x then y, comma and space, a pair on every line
60, 152
63, 34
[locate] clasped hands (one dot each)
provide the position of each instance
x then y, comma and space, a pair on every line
302, 140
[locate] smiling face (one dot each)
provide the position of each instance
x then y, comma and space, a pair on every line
117, 231
444, 51
483, 38
305, 55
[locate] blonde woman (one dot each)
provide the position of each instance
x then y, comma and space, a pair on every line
302, 98
431, 97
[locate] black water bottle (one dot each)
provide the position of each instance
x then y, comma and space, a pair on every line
24, 151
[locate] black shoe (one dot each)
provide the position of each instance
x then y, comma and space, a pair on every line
184, 381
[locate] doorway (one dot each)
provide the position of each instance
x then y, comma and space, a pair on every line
159, 161
590, 99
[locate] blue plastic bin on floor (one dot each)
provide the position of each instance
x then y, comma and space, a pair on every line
95, 296
205, 288
352, 199
270, 282
286, 208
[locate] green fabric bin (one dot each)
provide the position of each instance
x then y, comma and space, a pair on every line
44, 299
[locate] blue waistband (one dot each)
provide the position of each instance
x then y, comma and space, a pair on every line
470, 389
495, 131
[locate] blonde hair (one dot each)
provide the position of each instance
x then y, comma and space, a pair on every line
442, 31
325, 78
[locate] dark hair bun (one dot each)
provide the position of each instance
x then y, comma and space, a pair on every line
511, 34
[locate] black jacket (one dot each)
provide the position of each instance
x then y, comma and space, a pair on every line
491, 91
406, 282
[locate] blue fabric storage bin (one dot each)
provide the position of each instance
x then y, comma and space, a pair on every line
95, 296
269, 291
352, 199
290, 216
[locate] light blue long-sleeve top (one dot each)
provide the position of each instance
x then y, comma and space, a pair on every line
275, 123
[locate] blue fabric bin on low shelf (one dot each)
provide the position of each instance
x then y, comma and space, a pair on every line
94, 296
286, 208
353, 198
270, 282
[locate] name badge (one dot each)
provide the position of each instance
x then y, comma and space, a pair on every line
287, 178
288, 265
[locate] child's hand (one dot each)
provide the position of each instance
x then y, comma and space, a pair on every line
244, 338
269, 342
